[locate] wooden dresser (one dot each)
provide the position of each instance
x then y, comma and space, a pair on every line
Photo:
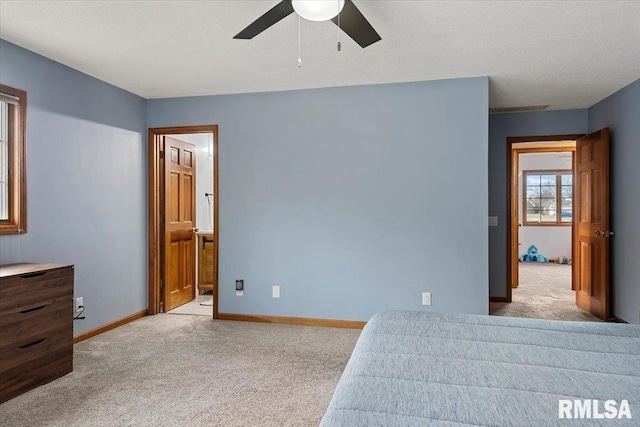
36, 326
206, 262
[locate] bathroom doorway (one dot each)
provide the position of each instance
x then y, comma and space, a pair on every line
183, 218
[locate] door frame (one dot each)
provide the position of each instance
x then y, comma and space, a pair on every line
513, 202
155, 209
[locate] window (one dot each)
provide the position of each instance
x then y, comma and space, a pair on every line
13, 196
548, 197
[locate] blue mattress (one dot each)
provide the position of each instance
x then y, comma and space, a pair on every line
418, 368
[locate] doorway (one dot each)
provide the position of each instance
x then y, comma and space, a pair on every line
518, 210
183, 223
539, 227
543, 200
587, 212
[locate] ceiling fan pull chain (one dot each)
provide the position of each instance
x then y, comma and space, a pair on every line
339, 44
299, 44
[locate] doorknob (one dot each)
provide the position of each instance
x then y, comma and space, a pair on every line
605, 233
195, 230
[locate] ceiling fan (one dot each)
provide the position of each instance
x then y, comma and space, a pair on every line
343, 13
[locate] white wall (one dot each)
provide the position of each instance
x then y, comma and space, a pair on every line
204, 178
551, 241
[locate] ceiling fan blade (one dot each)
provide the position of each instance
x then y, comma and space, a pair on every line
356, 25
279, 11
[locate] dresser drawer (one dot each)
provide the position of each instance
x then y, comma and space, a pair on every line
41, 347
33, 373
31, 290
29, 325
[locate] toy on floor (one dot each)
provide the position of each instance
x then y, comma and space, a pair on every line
533, 255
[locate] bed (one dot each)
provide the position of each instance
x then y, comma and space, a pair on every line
419, 368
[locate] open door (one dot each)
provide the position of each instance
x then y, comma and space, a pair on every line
179, 223
591, 230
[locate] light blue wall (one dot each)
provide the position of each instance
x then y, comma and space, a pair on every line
620, 112
353, 200
502, 126
86, 183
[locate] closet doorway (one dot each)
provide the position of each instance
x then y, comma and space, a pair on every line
183, 162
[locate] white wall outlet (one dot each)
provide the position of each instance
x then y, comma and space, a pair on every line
275, 291
493, 221
426, 298
239, 293
77, 303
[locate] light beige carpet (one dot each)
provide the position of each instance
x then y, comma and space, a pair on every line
169, 370
544, 292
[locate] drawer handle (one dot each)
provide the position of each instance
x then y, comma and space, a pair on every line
33, 343
33, 309
36, 274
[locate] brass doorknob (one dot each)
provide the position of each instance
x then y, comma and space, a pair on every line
195, 230
605, 233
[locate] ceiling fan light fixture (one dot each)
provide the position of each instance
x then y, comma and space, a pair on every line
318, 10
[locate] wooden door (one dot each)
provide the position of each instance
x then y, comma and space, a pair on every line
591, 219
179, 222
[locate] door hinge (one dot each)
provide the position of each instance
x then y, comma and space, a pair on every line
161, 155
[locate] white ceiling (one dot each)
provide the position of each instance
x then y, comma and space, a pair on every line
562, 53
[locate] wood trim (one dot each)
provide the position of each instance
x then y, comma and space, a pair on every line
544, 150
17, 145
498, 299
216, 229
155, 240
512, 163
154, 222
574, 222
107, 327
303, 321
546, 138
512, 218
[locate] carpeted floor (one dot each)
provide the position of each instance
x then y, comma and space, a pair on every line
169, 370
544, 292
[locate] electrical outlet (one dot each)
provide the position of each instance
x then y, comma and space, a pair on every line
275, 291
426, 298
77, 303
493, 221
239, 288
